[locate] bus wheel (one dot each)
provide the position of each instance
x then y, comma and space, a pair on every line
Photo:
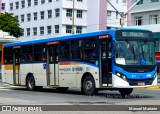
125, 91
30, 83
88, 86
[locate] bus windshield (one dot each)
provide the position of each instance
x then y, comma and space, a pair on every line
135, 53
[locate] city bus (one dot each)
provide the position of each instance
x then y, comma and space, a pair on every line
103, 60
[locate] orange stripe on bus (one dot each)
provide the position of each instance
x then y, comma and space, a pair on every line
65, 63
68, 63
10, 67
2, 57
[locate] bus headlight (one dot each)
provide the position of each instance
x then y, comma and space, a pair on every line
155, 76
118, 74
122, 76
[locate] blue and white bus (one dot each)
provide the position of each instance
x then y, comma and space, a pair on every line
111, 59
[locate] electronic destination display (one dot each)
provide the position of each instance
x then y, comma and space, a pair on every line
133, 34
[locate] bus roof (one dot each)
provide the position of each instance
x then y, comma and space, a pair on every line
74, 36
58, 38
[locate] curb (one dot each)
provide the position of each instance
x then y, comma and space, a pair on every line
150, 88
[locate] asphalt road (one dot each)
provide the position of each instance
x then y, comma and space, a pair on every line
15, 95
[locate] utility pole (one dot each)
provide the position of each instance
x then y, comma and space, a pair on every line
73, 18
122, 14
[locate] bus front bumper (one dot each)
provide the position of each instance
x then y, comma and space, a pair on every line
118, 82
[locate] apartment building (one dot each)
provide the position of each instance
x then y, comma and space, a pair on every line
49, 18
146, 14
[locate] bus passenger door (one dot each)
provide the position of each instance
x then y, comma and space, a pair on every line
106, 61
16, 65
52, 63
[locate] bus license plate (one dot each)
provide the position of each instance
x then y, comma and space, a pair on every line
141, 83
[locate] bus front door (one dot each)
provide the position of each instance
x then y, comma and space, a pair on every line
52, 65
106, 62
16, 65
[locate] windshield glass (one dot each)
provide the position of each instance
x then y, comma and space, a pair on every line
135, 53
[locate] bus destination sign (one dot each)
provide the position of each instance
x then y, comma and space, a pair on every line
135, 34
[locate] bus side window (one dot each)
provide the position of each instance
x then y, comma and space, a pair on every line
24, 58
39, 52
27, 53
64, 52
43, 58
30, 58
8, 56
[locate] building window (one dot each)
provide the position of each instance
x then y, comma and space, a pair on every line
153, 19
42, 1
56, 28
78, 29
3, 6
57, 12
68, 29
35, 2
79, 0
42, 14
28, 31
49, 13
69, 12
117, 1
49, 1
124, 2
79, 13
29, 3
140, 2
116, 15
41, 30
28, 17
154, 0
22, 18
11, 6
22, 32
49, 29
17, 5
23, 4
138, 20
35, 15
109, 13
35, 31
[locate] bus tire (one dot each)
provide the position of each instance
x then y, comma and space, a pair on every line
125, 91
31, 83
88, 86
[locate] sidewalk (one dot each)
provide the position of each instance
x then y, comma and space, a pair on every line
151, 88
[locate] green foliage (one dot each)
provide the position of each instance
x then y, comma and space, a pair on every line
10, 24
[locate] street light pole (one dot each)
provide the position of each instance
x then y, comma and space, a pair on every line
123, 14
73, 18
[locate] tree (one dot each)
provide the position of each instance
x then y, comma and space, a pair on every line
10, 24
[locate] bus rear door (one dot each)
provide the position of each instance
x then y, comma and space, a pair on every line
52, 63
16, 65
105, 60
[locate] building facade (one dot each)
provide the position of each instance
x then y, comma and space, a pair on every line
146, 14
49, 18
